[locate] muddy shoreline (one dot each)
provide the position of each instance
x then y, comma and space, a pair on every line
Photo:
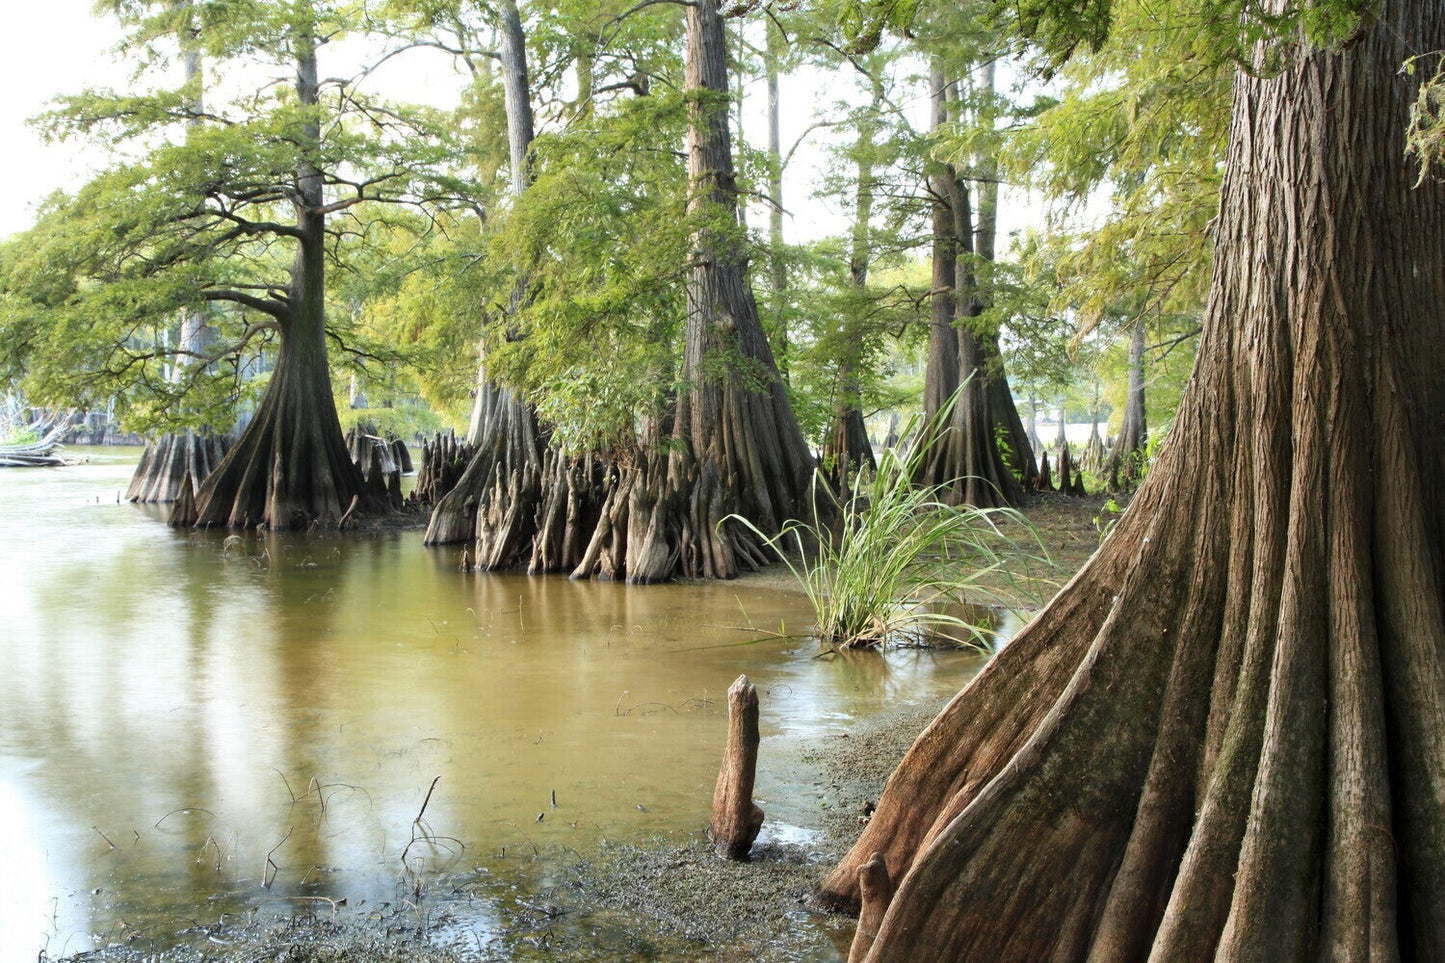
667, 897
661, 898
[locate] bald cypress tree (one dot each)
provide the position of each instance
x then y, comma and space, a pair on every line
1226, 737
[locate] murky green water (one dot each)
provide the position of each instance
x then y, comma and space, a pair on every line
196, 724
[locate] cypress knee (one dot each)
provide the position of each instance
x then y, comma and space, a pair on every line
735, 819
875, 887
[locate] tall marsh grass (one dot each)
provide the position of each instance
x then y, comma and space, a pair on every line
900, 562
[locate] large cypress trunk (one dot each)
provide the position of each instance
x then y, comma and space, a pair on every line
1226, 737
657, 511
501, 485
736, 447
291, 466
727, 426
167, 461
1003, 413
1020, 455
964, 458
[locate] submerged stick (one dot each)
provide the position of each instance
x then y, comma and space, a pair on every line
736, 820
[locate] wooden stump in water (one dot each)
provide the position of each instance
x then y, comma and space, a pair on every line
875, 887
735, 818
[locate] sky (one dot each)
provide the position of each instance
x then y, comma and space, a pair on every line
35, 67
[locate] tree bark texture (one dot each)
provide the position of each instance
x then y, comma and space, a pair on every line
736, 446
443, 460
1225, 738
1020, 456
166, 461
736, 819
508, 450
501, 484
875, 893
1126, 459
1093, 459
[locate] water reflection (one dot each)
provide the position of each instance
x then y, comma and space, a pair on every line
198, 723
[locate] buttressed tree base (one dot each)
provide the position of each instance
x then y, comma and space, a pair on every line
1225, 738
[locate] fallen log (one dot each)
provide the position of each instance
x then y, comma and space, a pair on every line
44, 453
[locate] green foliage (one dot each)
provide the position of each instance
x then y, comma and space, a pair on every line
21, 435
1107, 518
196, 216
1148, 132
406, 421
1254, 34
905, 562
601, 239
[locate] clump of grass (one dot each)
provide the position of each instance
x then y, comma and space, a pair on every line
902, 562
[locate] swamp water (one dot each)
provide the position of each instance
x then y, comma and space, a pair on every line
196, 725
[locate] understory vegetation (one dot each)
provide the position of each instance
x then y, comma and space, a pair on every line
905, 564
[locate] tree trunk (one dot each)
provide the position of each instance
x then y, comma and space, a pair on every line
1226, 737
166, 461
1093, 459
846, 447
773, 51
291, 466
1021, 441
940, 377
1033, 430
1003, 411
1126, 458
162, 469
736, 446
658, 511
504, 437
964, 457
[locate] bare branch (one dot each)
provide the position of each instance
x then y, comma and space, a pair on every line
276, 309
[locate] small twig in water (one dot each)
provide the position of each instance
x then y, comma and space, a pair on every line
426, 800
269, 871
211, 841
184, 812
104, 837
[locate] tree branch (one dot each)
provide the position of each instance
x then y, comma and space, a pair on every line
276, 309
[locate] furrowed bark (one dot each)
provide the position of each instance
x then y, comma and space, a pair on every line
1225, 738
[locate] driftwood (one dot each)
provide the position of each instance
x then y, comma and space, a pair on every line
735, 818
36, 454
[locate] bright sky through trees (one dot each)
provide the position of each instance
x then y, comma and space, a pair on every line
77, 54
33, 69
